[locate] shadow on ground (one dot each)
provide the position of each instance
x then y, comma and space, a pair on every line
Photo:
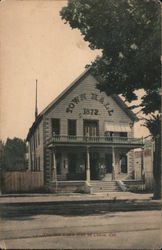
23, 211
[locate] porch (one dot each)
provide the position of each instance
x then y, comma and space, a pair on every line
82, 158
94, 140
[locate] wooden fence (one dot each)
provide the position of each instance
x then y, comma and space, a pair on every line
19, 182
148, 168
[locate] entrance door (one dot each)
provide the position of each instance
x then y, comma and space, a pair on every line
108, 163
91, 128
58, 163
123, 158
94, 159
72, 158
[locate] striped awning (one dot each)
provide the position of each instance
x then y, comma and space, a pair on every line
117, 127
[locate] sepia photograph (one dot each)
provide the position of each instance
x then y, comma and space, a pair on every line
80, 124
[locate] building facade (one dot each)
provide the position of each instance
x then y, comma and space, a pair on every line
84, 135
144, 160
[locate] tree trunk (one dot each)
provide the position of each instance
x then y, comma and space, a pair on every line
157, 168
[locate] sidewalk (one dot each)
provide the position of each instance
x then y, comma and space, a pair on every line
41, 198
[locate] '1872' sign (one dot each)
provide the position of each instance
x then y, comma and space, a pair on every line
87, 111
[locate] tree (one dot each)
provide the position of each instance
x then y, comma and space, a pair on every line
154, 126
1, 163
14, 154
128, 33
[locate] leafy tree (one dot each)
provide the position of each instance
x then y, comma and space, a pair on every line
14, 154
128, 33
153, 124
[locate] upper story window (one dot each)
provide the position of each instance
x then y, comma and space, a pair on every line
120, 129
55, 126
91, 128
117, 134
35, 139
123, 134
71, 127
38, 136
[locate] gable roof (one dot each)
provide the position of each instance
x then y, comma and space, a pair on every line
65, 92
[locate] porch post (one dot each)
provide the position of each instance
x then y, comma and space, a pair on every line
54, 172
88, 166
113, 163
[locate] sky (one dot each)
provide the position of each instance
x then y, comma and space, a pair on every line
36, 44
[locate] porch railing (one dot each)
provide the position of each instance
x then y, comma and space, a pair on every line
94, 139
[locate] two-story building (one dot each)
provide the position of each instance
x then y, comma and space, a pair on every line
83, 135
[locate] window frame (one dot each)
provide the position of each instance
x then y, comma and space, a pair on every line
52, 125
68, 127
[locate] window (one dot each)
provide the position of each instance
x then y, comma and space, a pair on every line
35, 138
38, 136
123, 134
31, 144
35, 163
91, 128
32, 164
55, 126
109, 133
34, 142
71, 127
38, 163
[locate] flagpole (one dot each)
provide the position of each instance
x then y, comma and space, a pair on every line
36, 107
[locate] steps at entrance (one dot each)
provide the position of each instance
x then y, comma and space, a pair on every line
133, 185
105, 186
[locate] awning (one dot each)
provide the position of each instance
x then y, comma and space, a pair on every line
117, 127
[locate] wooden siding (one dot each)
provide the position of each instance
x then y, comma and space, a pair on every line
38, 150
87, 86
147, 167
19, 182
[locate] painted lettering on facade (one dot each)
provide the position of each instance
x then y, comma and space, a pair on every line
86, 111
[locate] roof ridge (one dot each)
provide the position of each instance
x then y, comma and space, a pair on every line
64, 91
116, 98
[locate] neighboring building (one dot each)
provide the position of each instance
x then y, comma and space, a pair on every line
84, 135
144, 164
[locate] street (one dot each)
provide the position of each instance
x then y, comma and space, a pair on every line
102, 230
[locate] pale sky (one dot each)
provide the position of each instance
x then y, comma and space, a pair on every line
36, 44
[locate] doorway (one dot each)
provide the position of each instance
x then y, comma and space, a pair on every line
91, 128
123, 158
108, 163
72, 159
94, 161
58, 163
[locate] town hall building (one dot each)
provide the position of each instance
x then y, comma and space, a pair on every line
83, 137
